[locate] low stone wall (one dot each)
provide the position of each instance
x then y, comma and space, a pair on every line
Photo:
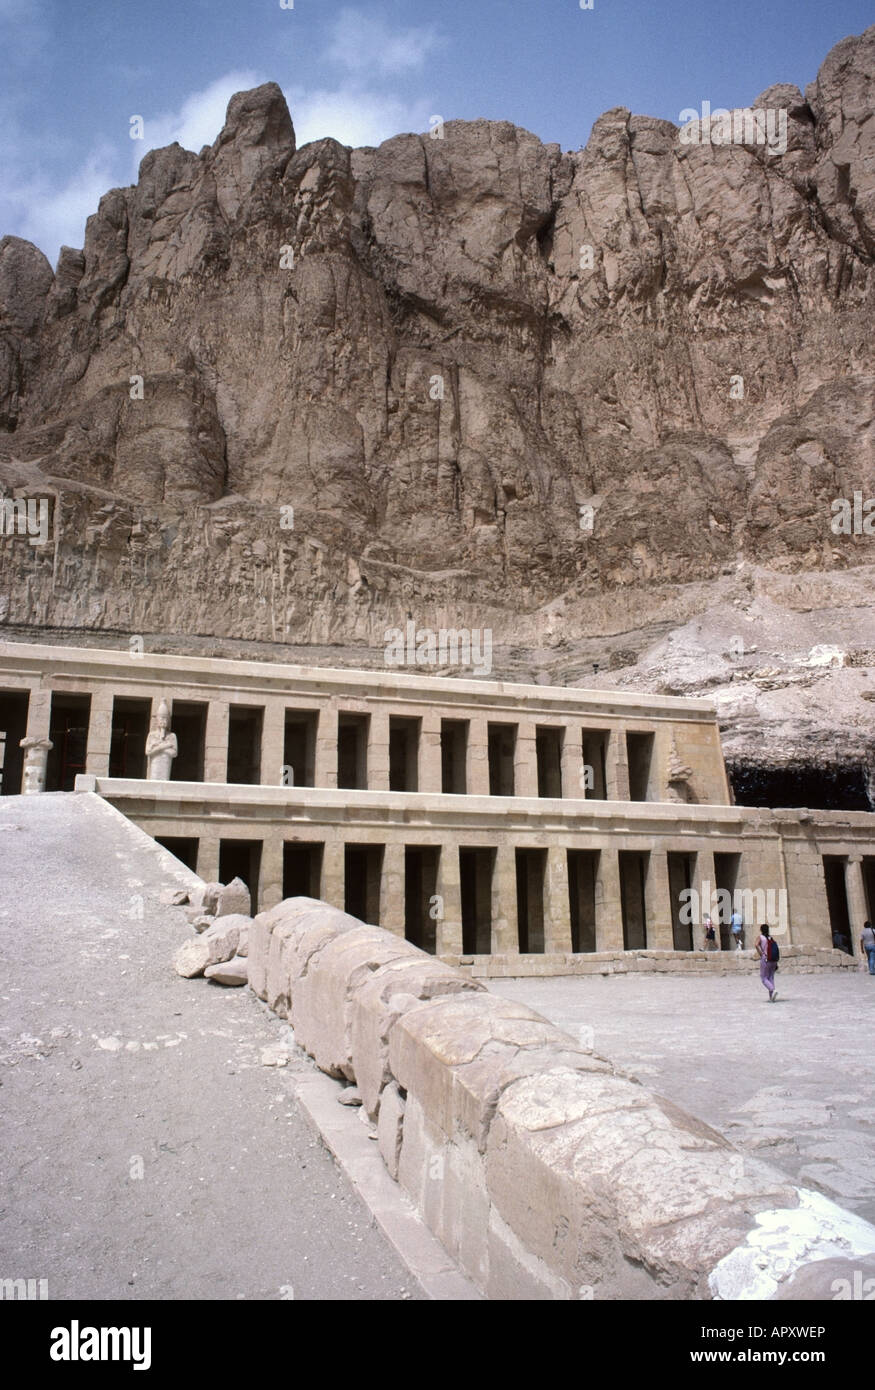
795, 960
545, 1173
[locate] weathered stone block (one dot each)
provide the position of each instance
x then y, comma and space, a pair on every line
619, 1190
233, 899
322, 994
380, 1000
217, 944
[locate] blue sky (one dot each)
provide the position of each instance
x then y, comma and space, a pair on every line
76, 71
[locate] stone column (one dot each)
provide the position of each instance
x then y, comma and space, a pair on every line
216, 741
430, 776
856, 891
99, 732
617, 767
36, 753
573, 788
505, 927
449, 886
657, 902
705, 884
608, 903
478, 756
271, 868
378, 751
325, 774
39, 714
273, 739
557, 906
332, 886
392, 888
208, 857
525, 761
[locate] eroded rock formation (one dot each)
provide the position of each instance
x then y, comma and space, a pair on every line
384, 383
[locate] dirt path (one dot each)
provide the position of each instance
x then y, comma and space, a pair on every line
146, 1150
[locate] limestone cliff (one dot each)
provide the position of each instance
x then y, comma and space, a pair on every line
476, 382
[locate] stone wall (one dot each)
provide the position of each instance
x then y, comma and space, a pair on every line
545, 1172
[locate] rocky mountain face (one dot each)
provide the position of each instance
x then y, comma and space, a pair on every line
600, 403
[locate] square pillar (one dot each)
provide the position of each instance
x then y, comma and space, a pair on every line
557, 905
617, 767
392, 888
856, 892
657, 903
705, 884
478, 756
273, 741
572, 764
208, 857
39, 713
525, 761
430, 766
332, 886
99, 732
449, 888
271, 869
325, 773
378, 751
216, 741
505, 926
608, 903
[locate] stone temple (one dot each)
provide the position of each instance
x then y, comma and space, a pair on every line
509, 829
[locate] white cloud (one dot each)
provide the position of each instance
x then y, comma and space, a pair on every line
354, 116
53, 217
363, 43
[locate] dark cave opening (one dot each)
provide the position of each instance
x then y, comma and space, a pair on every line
841, 787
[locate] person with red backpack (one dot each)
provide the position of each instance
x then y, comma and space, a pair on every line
769, 954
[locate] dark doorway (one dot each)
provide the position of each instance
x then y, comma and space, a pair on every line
184, 848
302, 869
594, 743
834, 871
404, 755
420, 887
548, 751
127, 744
726, 870
454, 755
531, 865
476, 867
189, 722
244, 744
639, 749
583, 867
242, 859
501, 747
352, 751
633, 876
13, 728
681, 868
362, 870
299, 748
68, 731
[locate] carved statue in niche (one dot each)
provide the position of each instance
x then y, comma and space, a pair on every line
161, 747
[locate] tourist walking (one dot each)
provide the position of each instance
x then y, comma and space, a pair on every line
736, 923
769, 955
867, 944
